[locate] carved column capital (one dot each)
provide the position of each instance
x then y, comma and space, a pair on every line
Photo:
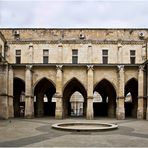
89, 45
29, 67
141, 68
90, 67
59, 67
60, 45
120, 67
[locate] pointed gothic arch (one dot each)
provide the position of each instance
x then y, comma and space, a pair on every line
131, 86
44, 91
108, 93
73, 85
18, 101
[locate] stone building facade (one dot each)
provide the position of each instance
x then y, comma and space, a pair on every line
37, 65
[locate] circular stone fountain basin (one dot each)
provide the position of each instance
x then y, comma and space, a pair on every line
84, 126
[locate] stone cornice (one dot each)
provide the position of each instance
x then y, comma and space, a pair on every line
124, 42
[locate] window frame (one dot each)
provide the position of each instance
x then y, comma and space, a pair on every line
105, 56
45, 56
75, 56
18, 56
132, 57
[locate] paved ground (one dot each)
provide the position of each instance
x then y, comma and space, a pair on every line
38, 132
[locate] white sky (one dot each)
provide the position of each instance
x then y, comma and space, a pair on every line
74, 13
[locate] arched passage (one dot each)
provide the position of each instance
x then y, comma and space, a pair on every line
19, 97
73, 86
43, 101
106, 107
131, 88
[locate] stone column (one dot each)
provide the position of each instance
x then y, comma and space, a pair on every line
119, 57
120, 111
4, 112
10, 92
89, 53
140, 110
29, 102
60, 53
30, 53
90, 76
59, 101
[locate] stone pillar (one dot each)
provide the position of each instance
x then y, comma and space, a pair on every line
146, 91
4, 112
140, 110
30, 53
120, 111
10, 92
60, 53
29, 102
89, 53
119, 57
59, 101
90, 73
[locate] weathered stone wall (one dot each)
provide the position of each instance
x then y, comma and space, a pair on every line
89, 71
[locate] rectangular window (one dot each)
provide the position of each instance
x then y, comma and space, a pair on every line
132, 56
45, 56
18, 56
104, 56
74, 56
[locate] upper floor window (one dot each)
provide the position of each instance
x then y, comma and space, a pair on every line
18, 56
132, 56
45, 56
105, 56
74, 56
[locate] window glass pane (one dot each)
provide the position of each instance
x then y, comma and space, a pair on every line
45, 52
132, 52
132, 59
105, 52
74, 59
45, 59
74, 52
105, 60
18, 60
18, 52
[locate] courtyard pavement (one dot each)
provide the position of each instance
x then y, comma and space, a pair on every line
37, 132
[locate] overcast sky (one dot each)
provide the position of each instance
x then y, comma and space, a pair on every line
74, 13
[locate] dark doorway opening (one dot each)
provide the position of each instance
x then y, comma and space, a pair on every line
131, 100
19, 97
74, 86
44, 101
107, 107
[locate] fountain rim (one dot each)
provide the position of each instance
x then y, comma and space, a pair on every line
105, 126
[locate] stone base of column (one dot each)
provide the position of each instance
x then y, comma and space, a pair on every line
29, 107
90, 113
120, 115
58, 115
29, 116
147, 114
3, 107
11, 109
140, 114
59, 109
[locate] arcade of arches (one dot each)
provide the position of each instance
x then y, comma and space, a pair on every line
74, 99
